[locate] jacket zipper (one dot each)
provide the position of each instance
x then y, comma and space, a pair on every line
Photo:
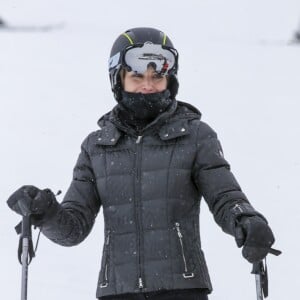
186, 273
106, 249
137, 210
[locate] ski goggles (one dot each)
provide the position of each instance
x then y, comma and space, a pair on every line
139, 58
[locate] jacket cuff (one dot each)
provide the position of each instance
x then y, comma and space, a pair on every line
240, 210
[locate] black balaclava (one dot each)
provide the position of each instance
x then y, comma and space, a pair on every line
138, 110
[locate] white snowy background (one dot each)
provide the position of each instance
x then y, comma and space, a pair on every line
236, 66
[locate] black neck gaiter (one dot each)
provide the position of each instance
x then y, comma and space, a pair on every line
138, 110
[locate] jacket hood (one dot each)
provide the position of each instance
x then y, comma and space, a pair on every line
186, 111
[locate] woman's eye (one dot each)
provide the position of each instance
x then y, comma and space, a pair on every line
137, 75
157, 76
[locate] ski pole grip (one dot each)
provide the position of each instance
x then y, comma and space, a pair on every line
26, 227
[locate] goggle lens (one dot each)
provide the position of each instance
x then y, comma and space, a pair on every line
139, 59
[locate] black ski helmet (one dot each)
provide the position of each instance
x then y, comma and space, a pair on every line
136, 37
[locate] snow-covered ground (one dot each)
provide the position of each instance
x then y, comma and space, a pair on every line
235, 65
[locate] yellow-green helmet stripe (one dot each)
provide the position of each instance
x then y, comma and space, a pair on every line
164, 39
129, 38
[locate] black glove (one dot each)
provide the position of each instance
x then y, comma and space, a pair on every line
256, 236
29, 200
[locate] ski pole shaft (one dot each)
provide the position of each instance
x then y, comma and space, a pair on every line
259, 293
258, 271
25, 250
26, 238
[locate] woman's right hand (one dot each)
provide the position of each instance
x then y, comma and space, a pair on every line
30, 200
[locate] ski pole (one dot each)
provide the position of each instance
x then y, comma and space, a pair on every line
26, 251
261, 276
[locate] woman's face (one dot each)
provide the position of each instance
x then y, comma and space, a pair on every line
146, 83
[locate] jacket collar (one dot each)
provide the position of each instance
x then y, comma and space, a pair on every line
178, 124
108, 135
174, 129
170, 125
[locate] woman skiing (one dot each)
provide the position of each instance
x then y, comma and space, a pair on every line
148, 165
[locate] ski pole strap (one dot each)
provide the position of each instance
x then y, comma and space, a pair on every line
18, 228
261, 275
24, 229
260, 269
31, 253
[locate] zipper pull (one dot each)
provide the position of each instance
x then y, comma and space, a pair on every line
237, 206
139, 138
141, 283
107, 238
178, 230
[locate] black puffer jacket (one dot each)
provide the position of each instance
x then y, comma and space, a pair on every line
150, 188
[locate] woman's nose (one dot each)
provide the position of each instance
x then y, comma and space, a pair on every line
147, 86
